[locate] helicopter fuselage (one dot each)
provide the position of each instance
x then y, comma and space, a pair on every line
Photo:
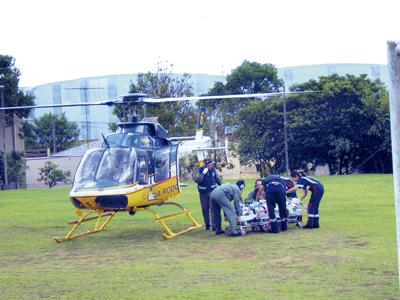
136, 167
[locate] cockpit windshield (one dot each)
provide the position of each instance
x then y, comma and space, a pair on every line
102, 168
130, 140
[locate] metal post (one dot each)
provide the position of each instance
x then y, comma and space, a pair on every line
86, 117
53, 132
285, 136
5, 171
394, 93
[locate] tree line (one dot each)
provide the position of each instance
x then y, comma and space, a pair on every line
345, 124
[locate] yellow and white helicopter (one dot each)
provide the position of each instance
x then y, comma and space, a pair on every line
137, 167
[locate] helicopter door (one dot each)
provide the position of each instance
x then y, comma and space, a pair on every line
161, 164
174, 161
142, 173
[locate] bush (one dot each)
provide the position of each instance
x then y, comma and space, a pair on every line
16, 167
50, 174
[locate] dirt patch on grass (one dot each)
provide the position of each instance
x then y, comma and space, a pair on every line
328, 257
354, 242
244, 254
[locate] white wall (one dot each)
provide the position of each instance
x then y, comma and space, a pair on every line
34, 164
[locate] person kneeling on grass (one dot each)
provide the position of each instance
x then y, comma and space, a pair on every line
317, 191
221, 198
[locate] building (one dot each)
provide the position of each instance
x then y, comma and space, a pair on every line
93, 121
300, 74
14, 142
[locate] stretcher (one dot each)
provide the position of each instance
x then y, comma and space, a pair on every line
255, 216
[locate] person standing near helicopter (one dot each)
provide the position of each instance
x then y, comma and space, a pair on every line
317, 191
207, 179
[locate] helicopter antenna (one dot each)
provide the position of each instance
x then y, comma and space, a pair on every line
105, 141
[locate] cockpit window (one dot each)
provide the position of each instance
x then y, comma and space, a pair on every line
130, 140
103, 168
161, 164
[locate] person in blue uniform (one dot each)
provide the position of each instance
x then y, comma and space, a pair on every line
207, 179
275, 194
221, 198
317, 191
288, 185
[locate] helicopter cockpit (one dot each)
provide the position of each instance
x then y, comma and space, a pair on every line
101, 168
123, 166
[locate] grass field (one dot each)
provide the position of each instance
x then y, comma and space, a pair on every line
352, 256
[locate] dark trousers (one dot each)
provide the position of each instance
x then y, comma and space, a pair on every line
206, 208
313, 204
216, 215
276, 194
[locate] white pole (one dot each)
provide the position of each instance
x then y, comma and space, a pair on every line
394, 93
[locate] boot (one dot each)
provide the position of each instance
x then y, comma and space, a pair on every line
274, 227
316, 222
284, 225
310, 223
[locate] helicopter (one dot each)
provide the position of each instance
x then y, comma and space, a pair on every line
137, 167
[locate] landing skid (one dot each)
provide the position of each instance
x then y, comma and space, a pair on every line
168, 234
84, 218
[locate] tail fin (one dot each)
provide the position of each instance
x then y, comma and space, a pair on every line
226, 148
200, 123
199, 134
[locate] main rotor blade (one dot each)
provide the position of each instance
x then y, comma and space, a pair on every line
60, 105
139, 98
220, 97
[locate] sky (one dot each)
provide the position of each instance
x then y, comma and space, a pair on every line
67, 39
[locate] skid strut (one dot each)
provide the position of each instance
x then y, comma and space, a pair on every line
169, 234
84, 218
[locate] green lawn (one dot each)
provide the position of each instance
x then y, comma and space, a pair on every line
352, 256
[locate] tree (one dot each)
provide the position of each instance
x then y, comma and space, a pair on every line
248, 78
16, 167
40, 132
260, 135
176, 117
13, 96
340, 126
346, 126
50, 174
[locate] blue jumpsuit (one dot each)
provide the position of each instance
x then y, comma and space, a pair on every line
288, 185
317, 191
275, 194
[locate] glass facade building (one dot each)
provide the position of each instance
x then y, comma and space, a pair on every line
300, 74
93, 120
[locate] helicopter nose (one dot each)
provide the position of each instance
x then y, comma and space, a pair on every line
112, 201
